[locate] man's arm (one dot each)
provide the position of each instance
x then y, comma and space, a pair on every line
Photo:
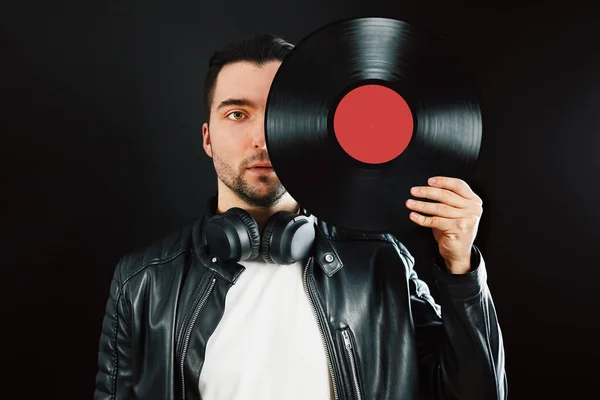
459, 341
462, 355
114, 376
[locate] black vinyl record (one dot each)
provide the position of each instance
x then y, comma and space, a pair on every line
363, 109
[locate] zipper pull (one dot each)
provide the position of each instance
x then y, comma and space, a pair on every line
347, 341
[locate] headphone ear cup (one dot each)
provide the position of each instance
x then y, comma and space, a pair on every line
286, 238
267, 233
233, 235
251, 230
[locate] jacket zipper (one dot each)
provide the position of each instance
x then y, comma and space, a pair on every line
188, 334
350, 353
308, 293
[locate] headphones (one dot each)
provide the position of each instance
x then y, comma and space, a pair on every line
287, 237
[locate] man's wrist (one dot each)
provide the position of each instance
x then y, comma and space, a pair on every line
460, 267
461, 286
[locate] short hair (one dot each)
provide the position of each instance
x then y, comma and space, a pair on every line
258, 49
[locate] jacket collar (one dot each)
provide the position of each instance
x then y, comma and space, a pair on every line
323, 252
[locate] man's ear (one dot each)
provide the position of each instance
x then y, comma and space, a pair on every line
206, 139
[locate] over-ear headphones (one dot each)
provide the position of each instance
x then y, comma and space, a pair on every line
287, 237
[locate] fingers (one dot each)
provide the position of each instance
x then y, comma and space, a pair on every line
458, 225
455, 204
443, 224
442, 195
438, 209
451, 191
455, 185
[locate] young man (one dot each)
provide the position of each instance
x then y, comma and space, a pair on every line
217, 311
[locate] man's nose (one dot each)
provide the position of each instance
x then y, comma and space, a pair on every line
258, 134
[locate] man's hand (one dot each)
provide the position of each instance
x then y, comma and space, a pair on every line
454, 218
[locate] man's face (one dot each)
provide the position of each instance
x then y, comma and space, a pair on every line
235, 137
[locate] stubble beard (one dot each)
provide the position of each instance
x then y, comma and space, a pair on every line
252, 196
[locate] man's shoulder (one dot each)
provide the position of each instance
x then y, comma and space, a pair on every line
160, 251
336, 233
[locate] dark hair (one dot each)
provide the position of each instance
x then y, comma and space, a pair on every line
259, 49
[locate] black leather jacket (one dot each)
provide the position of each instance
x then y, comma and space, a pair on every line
166, 300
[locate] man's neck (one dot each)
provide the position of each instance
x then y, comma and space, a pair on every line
227, 199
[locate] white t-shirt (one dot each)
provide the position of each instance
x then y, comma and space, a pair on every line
268, 345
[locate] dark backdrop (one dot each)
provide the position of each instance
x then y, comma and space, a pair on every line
100, 152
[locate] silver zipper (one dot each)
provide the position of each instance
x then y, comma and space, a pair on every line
188, 334
348, 345
335, 393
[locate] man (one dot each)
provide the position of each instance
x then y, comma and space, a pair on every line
199, 316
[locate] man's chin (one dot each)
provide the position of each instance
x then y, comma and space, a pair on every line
262, 195
261, 201
262, 182
267, 193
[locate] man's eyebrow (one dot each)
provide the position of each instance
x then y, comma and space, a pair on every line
236, 102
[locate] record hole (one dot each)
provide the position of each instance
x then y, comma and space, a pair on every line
373, 124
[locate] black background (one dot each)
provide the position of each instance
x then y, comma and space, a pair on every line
101, 152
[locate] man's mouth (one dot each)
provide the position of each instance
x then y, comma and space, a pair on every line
261, 168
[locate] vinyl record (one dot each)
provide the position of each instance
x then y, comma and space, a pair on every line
363, 109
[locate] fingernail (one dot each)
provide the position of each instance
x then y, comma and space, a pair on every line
415, 190
432, 180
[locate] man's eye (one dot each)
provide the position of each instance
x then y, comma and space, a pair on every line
236, 115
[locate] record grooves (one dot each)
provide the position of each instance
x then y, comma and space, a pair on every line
363, 109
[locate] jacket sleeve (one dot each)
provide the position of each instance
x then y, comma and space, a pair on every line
114, 375
459, 341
